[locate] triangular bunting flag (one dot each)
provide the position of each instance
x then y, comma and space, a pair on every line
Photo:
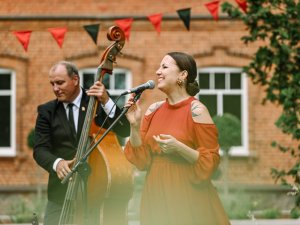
23, 37
58, 34
213, 8
92, 31
185, 16
125, 25
242, 4
156, 21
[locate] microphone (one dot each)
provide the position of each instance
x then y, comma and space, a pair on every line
148, 85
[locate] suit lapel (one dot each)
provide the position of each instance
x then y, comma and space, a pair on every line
82, 112
61, 112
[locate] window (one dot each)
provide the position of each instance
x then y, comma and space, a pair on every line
224, 90
7, 110
115, 84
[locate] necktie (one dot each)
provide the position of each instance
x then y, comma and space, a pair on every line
71, 119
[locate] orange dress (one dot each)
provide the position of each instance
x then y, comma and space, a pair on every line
177, 192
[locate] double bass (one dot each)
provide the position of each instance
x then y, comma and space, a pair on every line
101, 185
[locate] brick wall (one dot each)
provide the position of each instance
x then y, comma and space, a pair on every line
211, 43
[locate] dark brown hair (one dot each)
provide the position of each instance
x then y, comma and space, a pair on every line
187, 62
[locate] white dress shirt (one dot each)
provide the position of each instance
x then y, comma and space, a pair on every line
109, 107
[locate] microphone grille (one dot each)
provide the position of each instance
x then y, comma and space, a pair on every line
151, 84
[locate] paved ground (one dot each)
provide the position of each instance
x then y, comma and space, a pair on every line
235, 222
254, 222
266, 222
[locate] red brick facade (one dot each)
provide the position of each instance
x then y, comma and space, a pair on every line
212, 43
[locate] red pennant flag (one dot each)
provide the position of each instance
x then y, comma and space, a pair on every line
125, 25
213, 8
242, 4
155, 19
58, 34
23, 37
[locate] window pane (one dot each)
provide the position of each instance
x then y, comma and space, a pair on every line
5, 121
5, 81
204, 80
119, 80
219, 81
235, 81
232, 104
88, 80
210, 101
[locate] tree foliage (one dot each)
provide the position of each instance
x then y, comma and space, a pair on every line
275, 25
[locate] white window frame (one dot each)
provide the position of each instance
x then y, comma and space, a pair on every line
242, 150
11, 150
113, 92
128, 79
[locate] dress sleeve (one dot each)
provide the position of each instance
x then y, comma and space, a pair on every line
140, 156
206, 136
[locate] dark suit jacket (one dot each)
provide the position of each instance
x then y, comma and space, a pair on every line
53, 139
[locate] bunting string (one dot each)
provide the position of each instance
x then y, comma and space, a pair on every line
125, 24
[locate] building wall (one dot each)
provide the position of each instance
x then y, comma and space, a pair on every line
212, 43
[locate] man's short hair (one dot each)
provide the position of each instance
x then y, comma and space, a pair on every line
70, 67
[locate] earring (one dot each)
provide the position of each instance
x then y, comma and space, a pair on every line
179, 82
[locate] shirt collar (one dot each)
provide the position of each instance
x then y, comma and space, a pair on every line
76, 101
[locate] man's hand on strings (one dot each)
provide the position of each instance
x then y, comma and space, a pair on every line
64, 167
98, 90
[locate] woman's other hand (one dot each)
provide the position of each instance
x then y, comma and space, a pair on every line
168, 144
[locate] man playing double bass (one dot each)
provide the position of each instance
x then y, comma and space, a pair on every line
59, 125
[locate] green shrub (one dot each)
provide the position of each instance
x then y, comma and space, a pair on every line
295, 213
238, 205
270, 214
229, 127
30, 138
22, 209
